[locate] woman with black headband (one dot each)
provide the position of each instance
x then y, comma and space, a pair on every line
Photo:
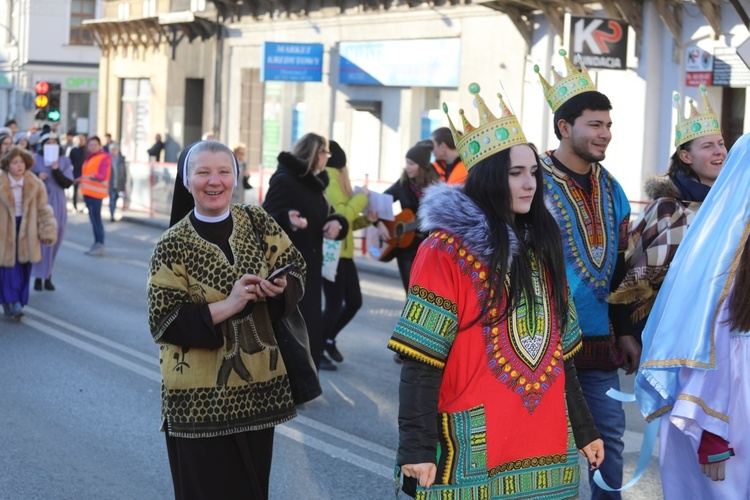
225, 385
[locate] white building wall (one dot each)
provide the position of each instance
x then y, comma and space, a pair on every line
40, 49
643, 116
492, 50
484, 59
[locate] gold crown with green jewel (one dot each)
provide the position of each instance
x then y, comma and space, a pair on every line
695, 124
576, 82
491, 136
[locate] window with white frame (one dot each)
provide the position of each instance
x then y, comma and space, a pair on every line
197, 5
123, 10
149, 8
80, 10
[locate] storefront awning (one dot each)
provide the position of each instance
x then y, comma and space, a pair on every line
521, 12
147, 32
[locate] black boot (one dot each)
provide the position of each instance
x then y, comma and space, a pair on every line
326, 364
333, 352
38, 284
48, 284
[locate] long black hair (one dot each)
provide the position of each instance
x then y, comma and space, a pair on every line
487, 185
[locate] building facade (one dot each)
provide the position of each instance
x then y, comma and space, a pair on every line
44, 40
183, 67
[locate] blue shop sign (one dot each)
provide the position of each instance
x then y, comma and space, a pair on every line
401, 63
292, 62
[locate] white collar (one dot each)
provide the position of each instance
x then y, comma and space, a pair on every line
205, 218
15, 183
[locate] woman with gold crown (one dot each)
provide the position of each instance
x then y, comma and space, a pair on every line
677, 196
488, 334
696, 347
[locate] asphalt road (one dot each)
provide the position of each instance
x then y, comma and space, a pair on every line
79, 391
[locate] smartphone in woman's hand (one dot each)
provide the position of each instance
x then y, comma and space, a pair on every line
282, 271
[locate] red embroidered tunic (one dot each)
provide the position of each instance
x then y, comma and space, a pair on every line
503, 428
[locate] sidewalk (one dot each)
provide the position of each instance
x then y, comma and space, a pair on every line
364, 264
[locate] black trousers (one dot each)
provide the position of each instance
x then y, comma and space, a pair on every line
343, 298
404, 269
231, 467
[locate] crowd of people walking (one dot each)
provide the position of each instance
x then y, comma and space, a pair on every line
55, 163
528, 288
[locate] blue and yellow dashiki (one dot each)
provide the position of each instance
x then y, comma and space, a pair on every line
594, 228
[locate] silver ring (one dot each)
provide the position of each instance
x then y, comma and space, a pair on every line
247, 289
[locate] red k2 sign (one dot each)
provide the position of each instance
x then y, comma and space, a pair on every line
602, 43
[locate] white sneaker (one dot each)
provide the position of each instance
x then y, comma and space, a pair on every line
96, 251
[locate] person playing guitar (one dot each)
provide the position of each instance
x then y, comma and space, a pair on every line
402, 235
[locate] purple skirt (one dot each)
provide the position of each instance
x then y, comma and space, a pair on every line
14, 281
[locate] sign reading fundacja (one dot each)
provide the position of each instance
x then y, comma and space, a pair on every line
601, 43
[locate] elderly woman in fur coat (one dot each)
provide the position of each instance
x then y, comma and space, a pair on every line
26, 222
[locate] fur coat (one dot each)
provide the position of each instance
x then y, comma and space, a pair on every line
37, 223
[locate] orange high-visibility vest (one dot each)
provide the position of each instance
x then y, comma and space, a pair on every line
457, 176
91, 187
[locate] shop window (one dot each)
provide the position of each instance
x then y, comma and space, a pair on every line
81, 10
78, 112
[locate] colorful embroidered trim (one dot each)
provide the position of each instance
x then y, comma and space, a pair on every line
591, 248
464, 440
426, 328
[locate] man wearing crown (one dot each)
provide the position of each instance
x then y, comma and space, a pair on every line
489, 403
592, 213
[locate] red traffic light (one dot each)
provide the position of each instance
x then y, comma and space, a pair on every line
41, 87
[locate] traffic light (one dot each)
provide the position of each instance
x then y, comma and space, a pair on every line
53, 108
42, 100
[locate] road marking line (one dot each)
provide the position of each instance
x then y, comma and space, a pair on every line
93, 336
345, 436
74, 246
284, 429
336, 452
96, 351
341, 393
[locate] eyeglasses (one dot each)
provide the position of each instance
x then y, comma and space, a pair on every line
325, 152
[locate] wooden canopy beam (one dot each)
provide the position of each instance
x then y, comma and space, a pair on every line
711, 10
555, 18
522, 21
671, 16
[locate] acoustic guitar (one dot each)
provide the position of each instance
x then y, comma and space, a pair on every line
402, 230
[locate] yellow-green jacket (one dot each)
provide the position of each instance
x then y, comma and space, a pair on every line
349, 208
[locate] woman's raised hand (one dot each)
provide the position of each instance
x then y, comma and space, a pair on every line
383, 232
273, 288
331, 229
373, 215
245, 289
296, 220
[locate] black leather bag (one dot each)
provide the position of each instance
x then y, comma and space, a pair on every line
294, 345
